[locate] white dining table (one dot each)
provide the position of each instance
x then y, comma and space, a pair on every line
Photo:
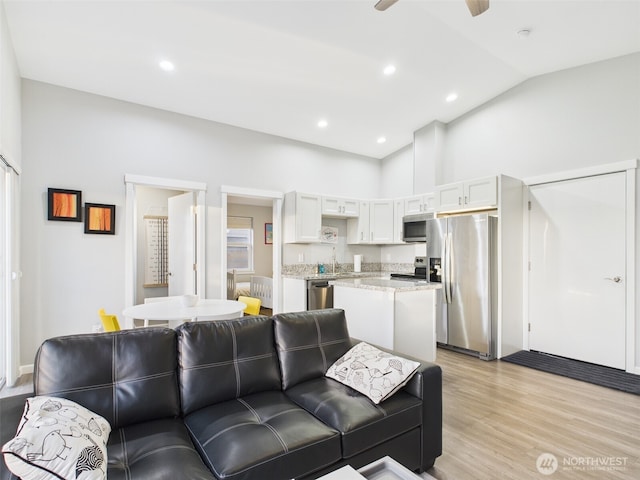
174, 312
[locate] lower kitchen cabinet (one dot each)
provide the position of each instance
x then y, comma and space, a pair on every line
294, 294
399, 319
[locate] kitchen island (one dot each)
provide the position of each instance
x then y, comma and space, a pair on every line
393, 314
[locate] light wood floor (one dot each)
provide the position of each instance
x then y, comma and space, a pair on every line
498, 418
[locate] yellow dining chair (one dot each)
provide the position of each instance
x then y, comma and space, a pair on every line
252, 305
109, 322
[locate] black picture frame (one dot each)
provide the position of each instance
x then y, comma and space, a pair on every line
64, 205
99, 218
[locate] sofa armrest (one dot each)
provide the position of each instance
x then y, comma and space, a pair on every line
11, 409
426, 384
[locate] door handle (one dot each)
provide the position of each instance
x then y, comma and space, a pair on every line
614, 279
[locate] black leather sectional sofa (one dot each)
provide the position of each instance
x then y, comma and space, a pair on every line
234, 399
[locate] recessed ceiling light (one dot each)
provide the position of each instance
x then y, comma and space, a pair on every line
323, 124
452, 97
381, 139
389, 70
167, 66
524, 32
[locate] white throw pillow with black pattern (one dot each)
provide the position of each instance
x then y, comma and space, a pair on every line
372, 372
58, 438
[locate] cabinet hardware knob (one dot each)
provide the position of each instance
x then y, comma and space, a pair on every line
614, 279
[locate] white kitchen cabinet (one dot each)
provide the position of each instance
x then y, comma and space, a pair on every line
381, 221
340, 207
358, 228
419, 204
294, 294
398, 213
302, 218
470, 195
374, 225
398, 319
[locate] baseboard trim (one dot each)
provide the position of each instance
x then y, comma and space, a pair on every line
25, 369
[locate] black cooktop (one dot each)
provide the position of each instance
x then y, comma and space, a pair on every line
408, 276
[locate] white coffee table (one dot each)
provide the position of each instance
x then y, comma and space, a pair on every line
385, 468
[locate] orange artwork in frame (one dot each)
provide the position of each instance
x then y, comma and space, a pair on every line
64, 205
100, 218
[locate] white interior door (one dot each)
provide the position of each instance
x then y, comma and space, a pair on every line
577, 273
182, 244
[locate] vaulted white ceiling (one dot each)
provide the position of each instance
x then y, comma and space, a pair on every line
280, 66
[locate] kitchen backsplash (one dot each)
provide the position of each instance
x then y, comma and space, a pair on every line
312, 268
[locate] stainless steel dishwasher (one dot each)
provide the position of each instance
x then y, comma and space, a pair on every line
319, 294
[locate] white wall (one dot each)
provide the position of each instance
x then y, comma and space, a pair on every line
10, 126
397, 174
565, 120
428, 148
86, 142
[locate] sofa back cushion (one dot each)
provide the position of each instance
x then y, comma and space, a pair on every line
225, 359
127, 377
309, 342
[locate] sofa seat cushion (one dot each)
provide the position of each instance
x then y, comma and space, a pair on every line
362, 423
157, 449
260, 436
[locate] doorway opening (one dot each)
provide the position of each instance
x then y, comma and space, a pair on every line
264, 247
150, 237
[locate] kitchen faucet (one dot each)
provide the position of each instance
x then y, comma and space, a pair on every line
334, 263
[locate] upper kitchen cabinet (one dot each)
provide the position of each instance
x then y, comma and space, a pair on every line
340, 207
302, 218
374, 225
398, 224
358, 228
419, 204
470, 195
381, 221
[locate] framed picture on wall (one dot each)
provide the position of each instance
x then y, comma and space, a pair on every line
64, 205
100, 218
268, 233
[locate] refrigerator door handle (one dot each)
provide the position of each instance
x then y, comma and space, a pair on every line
446, 256
443, 256
450, 267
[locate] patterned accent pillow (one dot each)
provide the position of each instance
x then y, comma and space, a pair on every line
58, 438
372, 372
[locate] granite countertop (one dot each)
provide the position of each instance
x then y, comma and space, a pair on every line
385, 284
331, 276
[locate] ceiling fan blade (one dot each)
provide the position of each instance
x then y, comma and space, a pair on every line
382, 5
476, 7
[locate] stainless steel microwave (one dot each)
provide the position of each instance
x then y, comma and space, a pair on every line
414, 227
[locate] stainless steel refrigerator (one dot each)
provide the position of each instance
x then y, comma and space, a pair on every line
461, 253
